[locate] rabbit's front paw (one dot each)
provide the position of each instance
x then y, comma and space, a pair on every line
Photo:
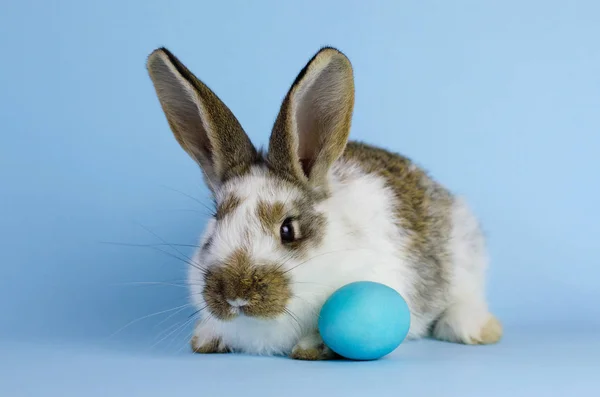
214, 345
312, 348
206, 342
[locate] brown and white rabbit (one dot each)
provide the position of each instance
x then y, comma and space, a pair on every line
314, 213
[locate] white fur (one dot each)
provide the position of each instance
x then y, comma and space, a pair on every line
361, 243
467, 311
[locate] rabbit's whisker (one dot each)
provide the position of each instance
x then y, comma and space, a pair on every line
148, 316
295, 318
210, 209
150, 245
154, 283
179, 328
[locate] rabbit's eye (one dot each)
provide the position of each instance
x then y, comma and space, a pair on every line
287, 231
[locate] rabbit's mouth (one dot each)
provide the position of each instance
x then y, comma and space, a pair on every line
240, 287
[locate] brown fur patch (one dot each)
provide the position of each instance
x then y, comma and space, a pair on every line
311, 354
212, 346
227, 206
265, 287
316, 353
270, 215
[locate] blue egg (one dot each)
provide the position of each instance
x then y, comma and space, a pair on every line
364, 320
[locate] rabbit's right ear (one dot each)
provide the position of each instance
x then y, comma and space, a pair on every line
313, 125
202, 124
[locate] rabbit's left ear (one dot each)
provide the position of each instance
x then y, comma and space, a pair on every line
313, 125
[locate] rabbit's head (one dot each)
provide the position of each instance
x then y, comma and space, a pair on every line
268, 221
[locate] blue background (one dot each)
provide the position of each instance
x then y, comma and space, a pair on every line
500, 100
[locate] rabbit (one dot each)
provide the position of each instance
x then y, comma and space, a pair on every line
312, 213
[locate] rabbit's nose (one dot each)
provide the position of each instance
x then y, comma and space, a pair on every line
237, 303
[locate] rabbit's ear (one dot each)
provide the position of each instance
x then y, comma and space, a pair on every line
202, 124
312, 128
